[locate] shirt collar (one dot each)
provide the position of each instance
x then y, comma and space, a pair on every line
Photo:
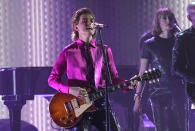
80, 42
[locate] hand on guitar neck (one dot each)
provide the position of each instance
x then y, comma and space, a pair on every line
133, 82
132, 86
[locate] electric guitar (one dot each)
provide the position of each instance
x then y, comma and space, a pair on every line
66, 110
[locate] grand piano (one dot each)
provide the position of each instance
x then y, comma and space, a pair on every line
18, 84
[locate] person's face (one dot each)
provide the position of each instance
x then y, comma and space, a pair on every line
191, 16
165, 23
86, 25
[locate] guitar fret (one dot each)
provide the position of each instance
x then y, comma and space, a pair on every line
119, 86
125, 84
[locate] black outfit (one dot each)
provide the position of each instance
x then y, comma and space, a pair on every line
184, 59
145, 95
97, 119
147, 35
146, 107
165, 94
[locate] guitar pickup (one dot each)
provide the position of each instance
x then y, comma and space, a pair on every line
66, 107
74, 104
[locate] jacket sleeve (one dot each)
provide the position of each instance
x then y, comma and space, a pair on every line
179, 60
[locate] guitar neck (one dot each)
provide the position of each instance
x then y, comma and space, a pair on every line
100, 94
149, 75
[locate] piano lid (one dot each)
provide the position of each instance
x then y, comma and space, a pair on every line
25, 81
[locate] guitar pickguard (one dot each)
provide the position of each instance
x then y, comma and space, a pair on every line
82, 108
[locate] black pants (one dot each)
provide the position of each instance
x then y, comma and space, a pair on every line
96, 119
146, 108
167, 113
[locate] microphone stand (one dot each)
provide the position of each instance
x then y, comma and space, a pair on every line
108, 79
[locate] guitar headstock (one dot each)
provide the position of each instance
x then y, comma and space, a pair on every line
151, 75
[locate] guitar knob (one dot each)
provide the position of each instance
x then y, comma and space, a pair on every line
62, 119
69, 116
73, 120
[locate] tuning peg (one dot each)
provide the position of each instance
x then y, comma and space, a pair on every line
158, 79
150, 82
154, 81
146, 71
153, 69
149, 70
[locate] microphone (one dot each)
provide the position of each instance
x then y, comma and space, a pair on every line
177, 27
99, 25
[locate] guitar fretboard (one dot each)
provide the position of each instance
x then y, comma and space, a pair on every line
149, 75
100, 94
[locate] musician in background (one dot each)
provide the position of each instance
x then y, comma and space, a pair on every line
184, 54
82, 63
156, 53
145, 104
